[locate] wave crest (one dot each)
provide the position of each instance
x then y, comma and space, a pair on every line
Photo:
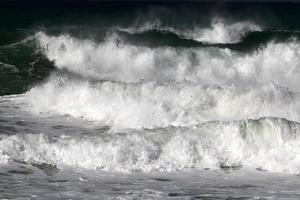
220, 31
116, 61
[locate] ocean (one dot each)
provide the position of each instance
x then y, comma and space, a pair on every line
150, 100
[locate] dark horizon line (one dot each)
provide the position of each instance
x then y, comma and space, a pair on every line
90, 3
141, 1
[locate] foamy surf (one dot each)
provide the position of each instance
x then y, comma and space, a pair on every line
150, 105
267, 144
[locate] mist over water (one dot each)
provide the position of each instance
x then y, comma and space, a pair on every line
184, 94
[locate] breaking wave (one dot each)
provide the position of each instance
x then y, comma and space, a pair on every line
266, 144
116, 61
126, 86
150, 105
220, 31
167, 108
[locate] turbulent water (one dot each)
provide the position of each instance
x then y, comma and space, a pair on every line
150, 101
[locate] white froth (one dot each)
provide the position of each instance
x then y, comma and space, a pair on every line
150, 105
220, 32
276, 63
160, 87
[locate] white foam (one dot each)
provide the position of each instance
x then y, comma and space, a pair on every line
269, 144
150, 105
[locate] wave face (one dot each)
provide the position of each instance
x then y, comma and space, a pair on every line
177, 92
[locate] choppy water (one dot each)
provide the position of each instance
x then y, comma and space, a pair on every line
152, 101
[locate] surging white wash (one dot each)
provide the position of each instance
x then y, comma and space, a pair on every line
182, 96
148, 88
